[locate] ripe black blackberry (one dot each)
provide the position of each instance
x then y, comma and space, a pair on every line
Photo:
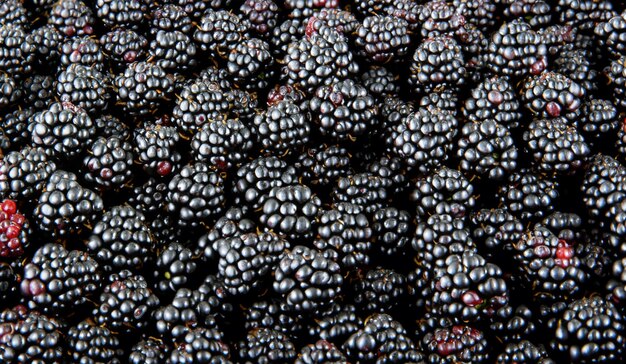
289, 31
219, 31
222, 143
536, 12
109, 125
13, 12
17, 51
84, 50
381, 339
611, 33
423, 139
175, 267
15, 128
391, 230
85, 87
23, 173
173, 50
480, 13
264, 345
65, 207
282, 127
143, 87
344, 233
523, 351
263, 16
307, 8
290, 211
156, 147
342, 20
10, 91
589, 330
255, 179
149, 351
617, 284
72, 17
380, 82
321, 351
529, 195
200, 344
251, 64
124, 46
322, 165
459, 343
307, 280
380, 290
603, 186
437, 64
445, 100
170, 17
56, 279
584, 15
121, 240
494, 98
550, 95
598, 121
246, 261
9, 282
125, 304
486, 149
383, 39
89, 343
392, 172
336, 324
195, 195
14, 231
47, 40
122, 13
576, 64
515, 49
444, 191
273, 314
365, 190
233, 223
495, 230
549, 266
40, 91
28, 336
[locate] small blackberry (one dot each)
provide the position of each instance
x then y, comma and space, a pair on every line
143, 88
10, 91
170, 17
175, 266
223, 144
156, 148
47, 40
380, 82
307, 280
480, 13
262, 15
290, 211
444, 191
31, 337
459, 343
85, 87
550, 95
599, 121
380, 290
383, 39
365, 190
65, 207
15, 126
219, 31
72, 17
336, 324
17, 52
264, 345
89, 343
126, 303
173, 50
529, 195
83, 50
122, 13
495, 230
321, 351
255, 179
149, 351
124, 46
437, 64
39, 91
108, 125
57, 279
200, 345
13, 12
391, 230
14, 231
324, 164
121, 240
23, 173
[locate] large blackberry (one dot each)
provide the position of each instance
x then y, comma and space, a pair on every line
17, 52
72, 17
195, 195
23, 173
264, 345
169, 17
65, 207
126, 303
262, 15
246, 261
599, 121
122, 13
89, 343
529, 195
124, 46
83, 50
494, 98
173, 50
590, 330
251, 64
307, 280
281, 127
383, 39
30, 337
255, 179
444, 191
459, 343
175, 267
143, 88
219, 31
321, 351
200, 345
156, 148
437, 64
344, 234
495, 230
121, 240
550, 95
85, 87
423, 139
222, 143
344, 110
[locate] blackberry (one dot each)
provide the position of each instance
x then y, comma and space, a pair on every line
494, 98
262, 15
281, 127
480, 13
83, 50
611, 33
321, 351
65, 207
13, 12
264, 345
307, 8
284, 93
255, 179
576, 64
529, 195
445, 100
23, 173
17, 52
122, 13
379, 340
89, 343
515, 324
439, 18
365, 190
391, 171
486, 149
602, 187
437, 64
549, 265
536, 12
380, 82
459, 343
588, 331
201, 345
391, 230
40, 91
584, 15
85, 87
407, 10
219, 31
155, 145
251, 64
342, 20
47, 40
14, 230
72, 17
290, 211
232, 224
523, 351
616, 73
289, 31
143, 88
173, 50
336, 324
175, 266
31, 337
516, 50
307, 280
170, 17
15, 125
124, 46
121, 240
223, 144
247, 260
344, 111
321, 59
322, 165
438, 237
9, 283
380, 290
444, 191
617, 285
149, 351
10, 91
195, 194
126, 303
344, 233
108, 125
599, 121
552, 95
495, 230
423, 139
272, 314
383, 39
